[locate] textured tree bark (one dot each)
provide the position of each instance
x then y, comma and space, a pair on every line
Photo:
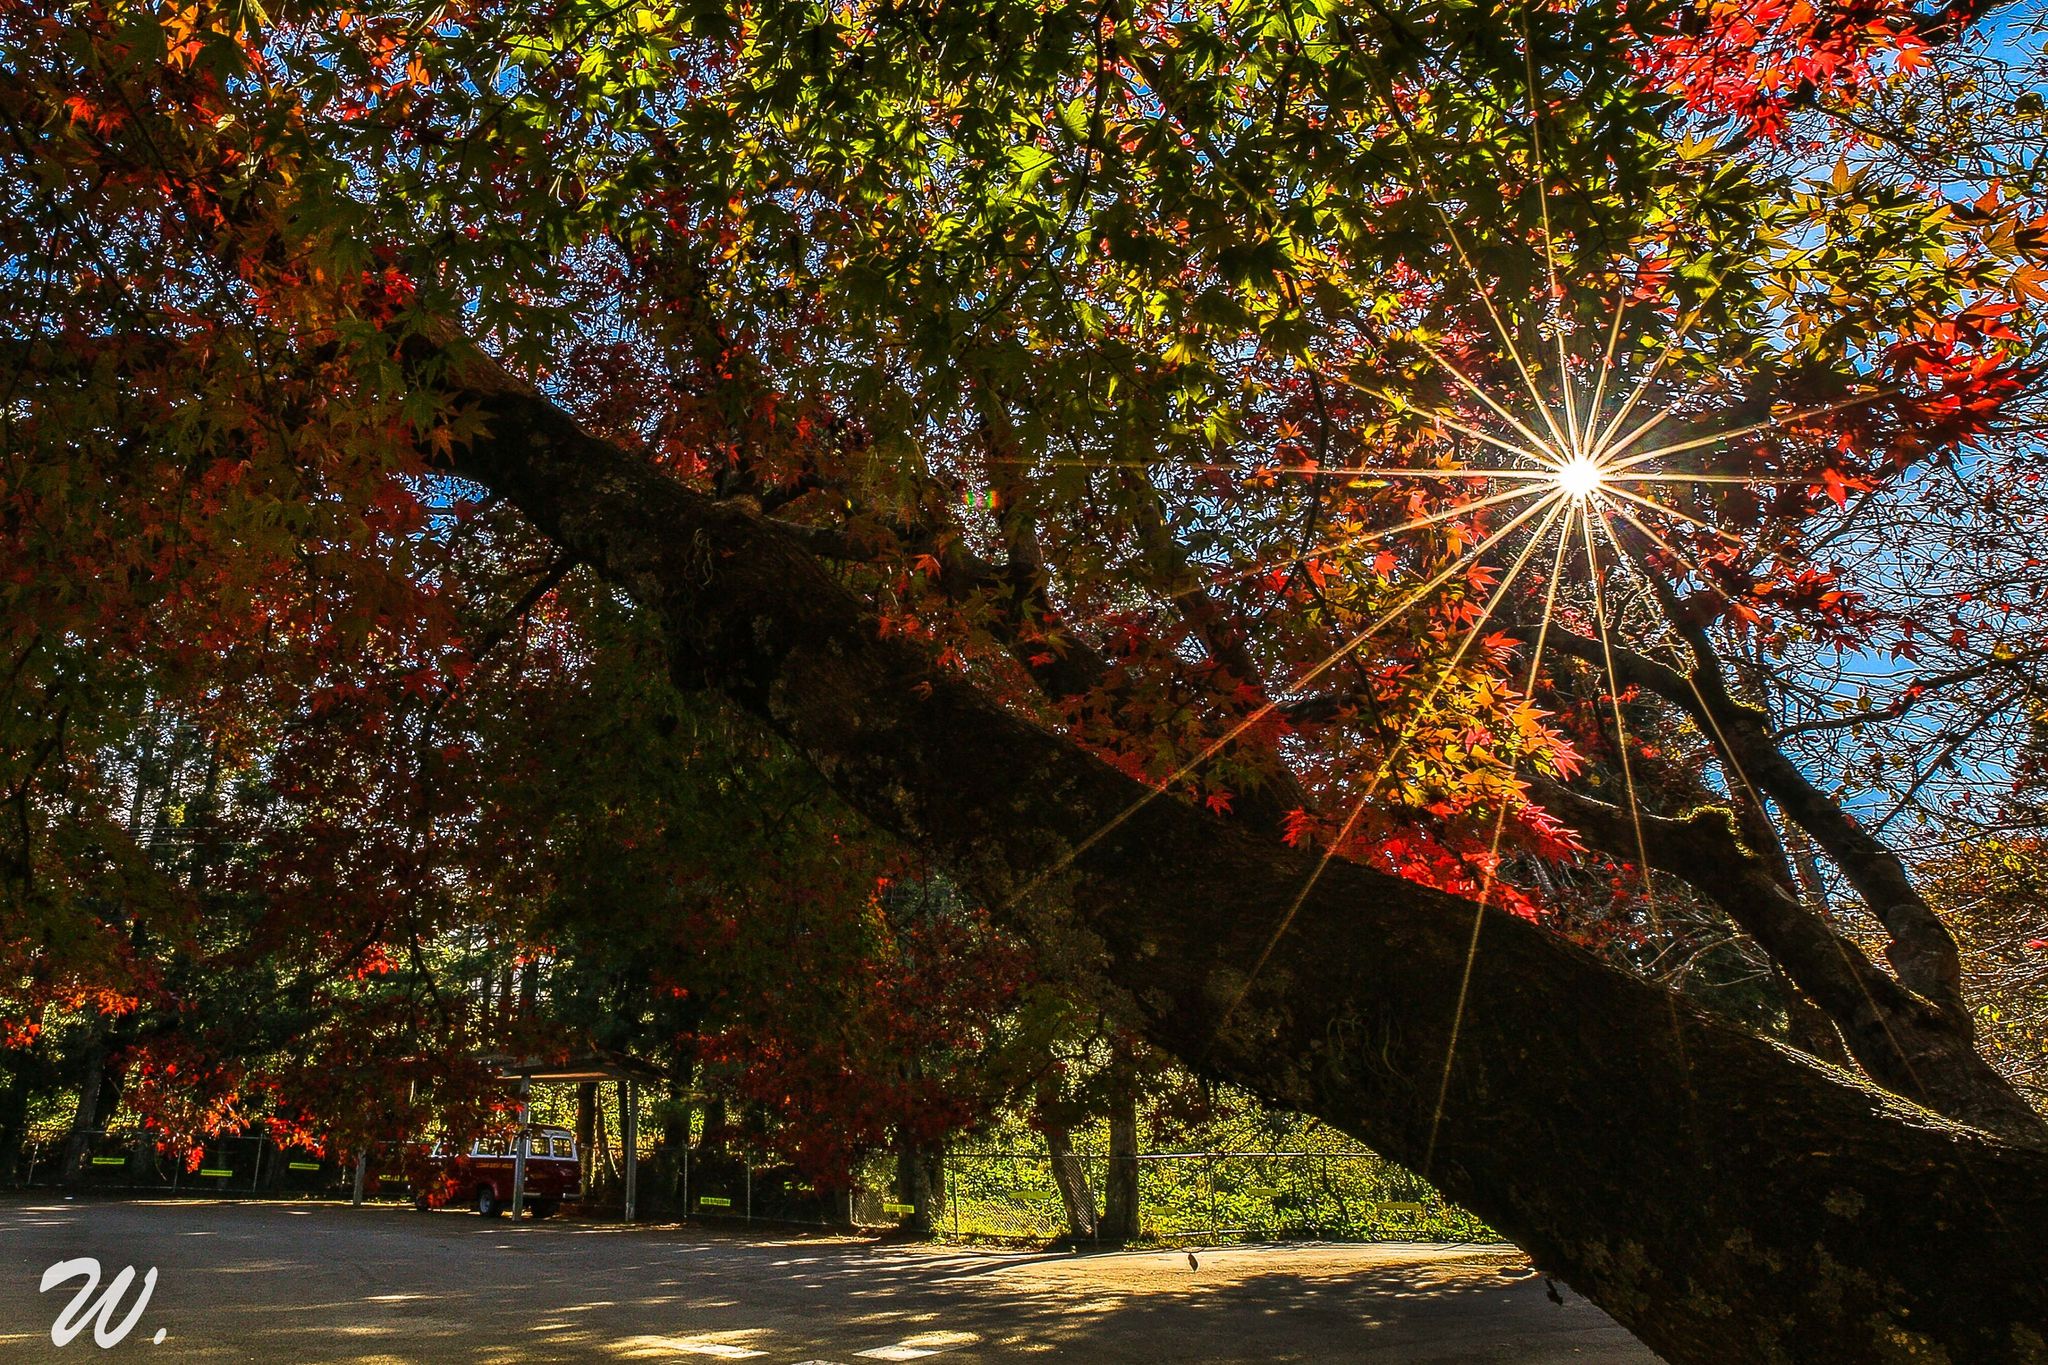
1808, 1027
921, 1183
1070, 1178
1724, 1198
586, 1131
86, 1118
712, 1140
1120, 1207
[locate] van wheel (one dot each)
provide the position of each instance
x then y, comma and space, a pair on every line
420, 1204
487, 1202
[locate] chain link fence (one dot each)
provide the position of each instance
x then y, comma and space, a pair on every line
227, 1166
1208, 1196
1005, 1196
1182, 1196
750, 1187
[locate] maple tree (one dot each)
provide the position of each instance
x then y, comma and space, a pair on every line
1179, 469
407, 878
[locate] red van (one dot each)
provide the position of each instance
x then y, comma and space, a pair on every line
482, 1176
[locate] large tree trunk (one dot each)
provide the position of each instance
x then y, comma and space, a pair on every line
13, 1122
1722, 1196
86, 1118
921, 1183
1070, 1178
586, 1131
1120, 1207
712, 1139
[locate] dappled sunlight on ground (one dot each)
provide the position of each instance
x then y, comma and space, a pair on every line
324, 1282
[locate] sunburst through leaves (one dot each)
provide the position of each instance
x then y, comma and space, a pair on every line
1587, 462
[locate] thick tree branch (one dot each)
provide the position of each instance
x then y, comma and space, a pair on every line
1917, 1043
1032, 630
1060, 663
1902, 1041
1921, 950
1843, 1225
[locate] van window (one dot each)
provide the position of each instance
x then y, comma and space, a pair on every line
563, 1147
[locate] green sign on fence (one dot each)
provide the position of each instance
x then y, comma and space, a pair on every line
898, 1210
110, 1161
305, 1165
215, 1171
712, 1201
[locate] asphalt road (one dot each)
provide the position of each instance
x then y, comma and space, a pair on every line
320, 1282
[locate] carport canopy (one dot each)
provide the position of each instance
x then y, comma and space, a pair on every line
626, 1071
590, 1066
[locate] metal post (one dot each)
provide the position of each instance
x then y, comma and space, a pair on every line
749, 1160
256, 1181
629, 1120
686, 1171
362, 1169
519, 1148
